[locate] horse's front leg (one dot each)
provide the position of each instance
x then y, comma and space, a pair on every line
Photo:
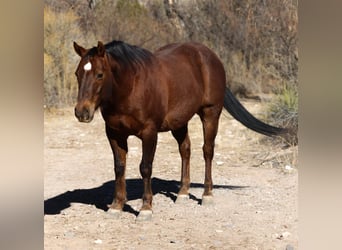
149, 142
119, 148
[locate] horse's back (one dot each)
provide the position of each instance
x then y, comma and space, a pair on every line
194, 65
194, 76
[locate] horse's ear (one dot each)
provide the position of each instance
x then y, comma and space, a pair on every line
79, 50
101, 49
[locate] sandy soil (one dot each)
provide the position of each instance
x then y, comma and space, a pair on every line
255, 190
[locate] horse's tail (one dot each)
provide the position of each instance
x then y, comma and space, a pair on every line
235, 108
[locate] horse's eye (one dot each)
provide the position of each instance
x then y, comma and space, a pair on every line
99, 76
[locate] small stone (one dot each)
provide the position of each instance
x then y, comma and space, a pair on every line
289, 169
98, 241
218, 231
284, 235
219, 163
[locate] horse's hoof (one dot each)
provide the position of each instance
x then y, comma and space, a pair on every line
207, 200
182, 198
144, 215
115, 213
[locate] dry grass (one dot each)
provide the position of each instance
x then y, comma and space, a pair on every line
256, 40
60, 30
283, 112
260, 151
256, 150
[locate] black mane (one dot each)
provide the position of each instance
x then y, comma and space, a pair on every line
125, 54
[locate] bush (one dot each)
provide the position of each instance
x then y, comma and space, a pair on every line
255, 39
284, 111
129, 21
60, 60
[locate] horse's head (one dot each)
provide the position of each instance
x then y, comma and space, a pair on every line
93, 73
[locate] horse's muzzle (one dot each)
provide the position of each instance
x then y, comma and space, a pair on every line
84, 114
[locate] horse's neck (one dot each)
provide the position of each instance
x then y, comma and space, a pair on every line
116, 90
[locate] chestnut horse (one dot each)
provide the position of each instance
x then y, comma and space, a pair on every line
142, 93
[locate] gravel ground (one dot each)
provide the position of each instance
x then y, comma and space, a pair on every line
255, 192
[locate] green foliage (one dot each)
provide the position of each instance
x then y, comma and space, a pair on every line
289, 98
284, 111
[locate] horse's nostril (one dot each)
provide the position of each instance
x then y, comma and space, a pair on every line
86, 114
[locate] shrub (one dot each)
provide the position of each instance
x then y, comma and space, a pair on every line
284, 111
60, 30
129, 21
255, 39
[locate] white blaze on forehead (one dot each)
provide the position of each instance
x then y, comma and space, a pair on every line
87, 66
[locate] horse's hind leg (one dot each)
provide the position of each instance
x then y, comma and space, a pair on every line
210, 117
182, 137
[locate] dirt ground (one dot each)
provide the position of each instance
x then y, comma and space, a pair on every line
255, 192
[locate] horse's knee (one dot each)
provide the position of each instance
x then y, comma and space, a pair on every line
185, 149
208, 151
145, 170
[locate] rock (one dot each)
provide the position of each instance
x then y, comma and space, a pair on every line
282, 236
98, 241
219, 163
288, 169
285, 235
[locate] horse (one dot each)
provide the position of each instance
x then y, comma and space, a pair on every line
141, 93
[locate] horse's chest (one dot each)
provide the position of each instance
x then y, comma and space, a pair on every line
123, 124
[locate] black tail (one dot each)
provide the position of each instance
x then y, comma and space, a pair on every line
235, 108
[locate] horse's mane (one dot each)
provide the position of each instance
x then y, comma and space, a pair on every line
125, 54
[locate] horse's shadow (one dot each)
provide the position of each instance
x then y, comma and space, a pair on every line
103, 195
